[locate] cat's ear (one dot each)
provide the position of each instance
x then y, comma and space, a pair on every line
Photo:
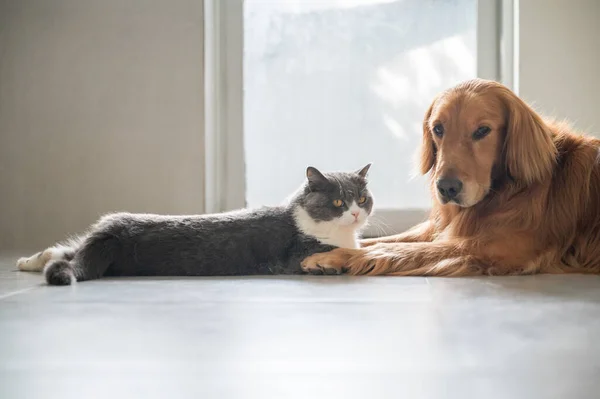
314, 176
363, 172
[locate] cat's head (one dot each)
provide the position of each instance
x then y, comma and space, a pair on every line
340, 198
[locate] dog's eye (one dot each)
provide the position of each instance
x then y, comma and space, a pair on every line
438, 130
481, 132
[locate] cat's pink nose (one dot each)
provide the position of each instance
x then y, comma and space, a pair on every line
355, 214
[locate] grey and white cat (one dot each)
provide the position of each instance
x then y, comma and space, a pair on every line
327, 211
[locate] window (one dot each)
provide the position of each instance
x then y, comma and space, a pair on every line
339, 83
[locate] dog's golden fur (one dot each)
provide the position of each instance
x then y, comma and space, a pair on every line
530, 201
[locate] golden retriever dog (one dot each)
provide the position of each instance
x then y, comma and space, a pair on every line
513, 194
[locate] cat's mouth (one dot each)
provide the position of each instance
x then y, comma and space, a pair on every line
354, 223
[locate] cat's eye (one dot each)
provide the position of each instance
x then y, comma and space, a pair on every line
438, 130
338, 203
481, 132
362, 200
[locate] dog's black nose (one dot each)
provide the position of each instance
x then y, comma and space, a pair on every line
449, 188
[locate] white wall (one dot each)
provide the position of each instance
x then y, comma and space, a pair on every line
101, 109
560, 59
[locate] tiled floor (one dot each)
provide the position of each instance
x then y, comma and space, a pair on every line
300, 337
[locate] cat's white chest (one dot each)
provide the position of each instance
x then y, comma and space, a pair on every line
328, 233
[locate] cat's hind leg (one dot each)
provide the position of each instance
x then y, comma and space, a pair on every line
37, 262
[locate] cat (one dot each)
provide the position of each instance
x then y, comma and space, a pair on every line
326, 212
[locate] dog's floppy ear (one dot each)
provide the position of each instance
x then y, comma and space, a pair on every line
529, 151
427, 152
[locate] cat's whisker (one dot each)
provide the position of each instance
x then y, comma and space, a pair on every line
382, 228
381, 222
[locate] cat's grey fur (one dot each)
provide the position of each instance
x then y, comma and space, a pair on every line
269, 240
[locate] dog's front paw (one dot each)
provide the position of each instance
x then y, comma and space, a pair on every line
323, 269
332, 262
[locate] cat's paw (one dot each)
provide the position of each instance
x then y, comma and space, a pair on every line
21, 263
332, 262
34, 263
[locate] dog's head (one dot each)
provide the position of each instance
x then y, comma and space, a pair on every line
479, 131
